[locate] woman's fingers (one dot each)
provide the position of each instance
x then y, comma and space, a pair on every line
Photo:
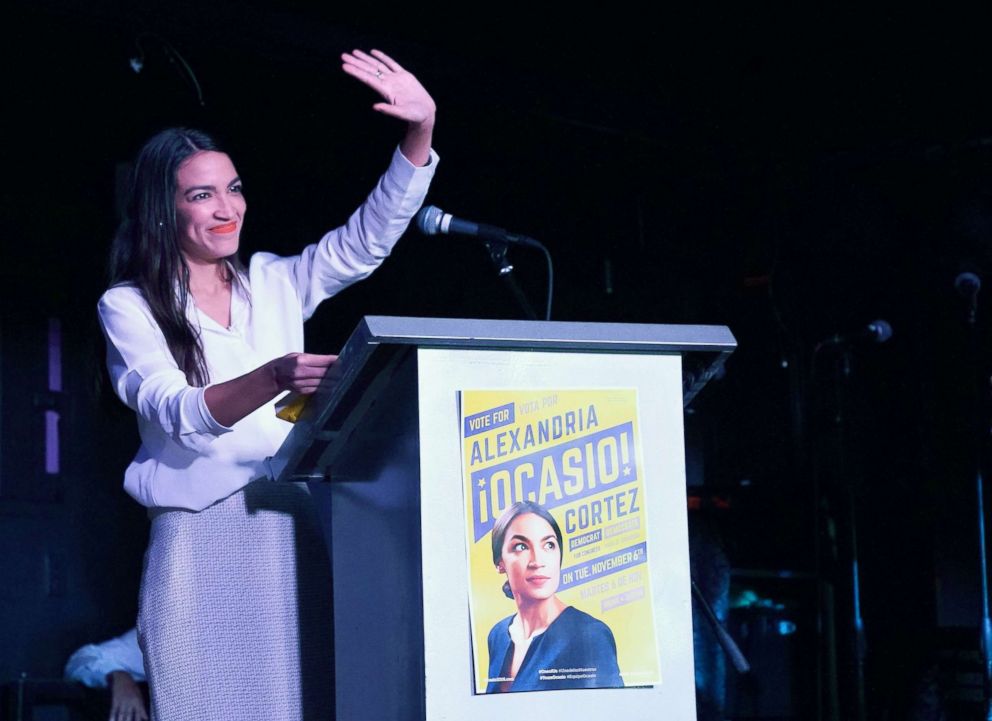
303, 372
388, 61
313, 360
405, 98
364, 67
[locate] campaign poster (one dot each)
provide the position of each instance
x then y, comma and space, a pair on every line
560, 595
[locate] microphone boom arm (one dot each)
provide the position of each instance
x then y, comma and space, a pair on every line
431, 220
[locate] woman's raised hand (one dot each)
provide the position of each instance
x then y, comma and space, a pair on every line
405, 98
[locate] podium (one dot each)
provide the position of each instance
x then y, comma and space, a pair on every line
385, 429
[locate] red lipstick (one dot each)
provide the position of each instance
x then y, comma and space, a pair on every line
226, 228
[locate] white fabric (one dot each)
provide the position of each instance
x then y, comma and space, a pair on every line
91, 664
520, 642
187, 459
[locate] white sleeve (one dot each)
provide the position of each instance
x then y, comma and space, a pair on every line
351, 252
91, 664
146, 376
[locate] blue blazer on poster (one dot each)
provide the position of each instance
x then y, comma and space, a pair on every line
575, 640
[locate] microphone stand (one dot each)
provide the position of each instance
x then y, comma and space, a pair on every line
979, 429
431, 220
497, 254
726, 641
859, 640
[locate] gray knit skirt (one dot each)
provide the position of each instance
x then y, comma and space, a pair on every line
235, 616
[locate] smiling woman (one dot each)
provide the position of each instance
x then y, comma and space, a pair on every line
209, 207
209, 211
234, 617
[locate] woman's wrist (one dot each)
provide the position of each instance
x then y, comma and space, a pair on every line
232, 400
416, 144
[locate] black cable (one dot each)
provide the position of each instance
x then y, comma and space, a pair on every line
175, 58
551, 279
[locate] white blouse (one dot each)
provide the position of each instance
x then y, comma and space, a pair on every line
187, 459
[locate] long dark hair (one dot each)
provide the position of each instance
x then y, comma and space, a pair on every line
503, 523
145, 251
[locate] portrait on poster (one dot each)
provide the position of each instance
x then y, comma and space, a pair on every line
557, 537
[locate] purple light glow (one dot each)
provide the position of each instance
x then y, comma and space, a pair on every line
51, 442
54, 386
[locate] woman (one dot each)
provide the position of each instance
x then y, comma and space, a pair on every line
545, 644
233, 617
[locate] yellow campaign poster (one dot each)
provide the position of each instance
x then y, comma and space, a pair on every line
560, 596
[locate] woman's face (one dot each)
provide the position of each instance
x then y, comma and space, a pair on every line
531, 558
209, 207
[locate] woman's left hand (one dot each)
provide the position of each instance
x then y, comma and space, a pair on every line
405, 98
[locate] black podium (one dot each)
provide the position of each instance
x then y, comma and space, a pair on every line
385, 431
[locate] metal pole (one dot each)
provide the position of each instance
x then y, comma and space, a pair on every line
858, 638
980, 429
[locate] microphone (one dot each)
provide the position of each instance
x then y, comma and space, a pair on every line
431, 220
967, 284
878, 331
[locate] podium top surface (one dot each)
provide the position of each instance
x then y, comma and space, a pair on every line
315, 439
548, 335
704, 348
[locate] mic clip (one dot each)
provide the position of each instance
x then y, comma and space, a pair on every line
497, 254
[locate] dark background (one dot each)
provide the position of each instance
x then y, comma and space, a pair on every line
790, 174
